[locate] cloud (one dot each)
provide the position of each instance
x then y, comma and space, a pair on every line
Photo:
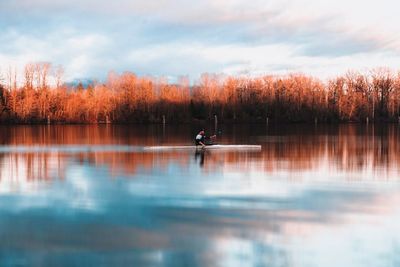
169, 37
78, 52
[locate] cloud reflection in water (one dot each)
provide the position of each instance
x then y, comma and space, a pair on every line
167, 210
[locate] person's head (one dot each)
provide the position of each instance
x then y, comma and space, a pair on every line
202, 132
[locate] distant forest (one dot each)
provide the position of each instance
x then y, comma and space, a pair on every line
42, 97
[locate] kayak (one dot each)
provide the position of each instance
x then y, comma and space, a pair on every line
207, 147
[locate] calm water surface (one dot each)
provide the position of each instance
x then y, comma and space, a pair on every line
313, 196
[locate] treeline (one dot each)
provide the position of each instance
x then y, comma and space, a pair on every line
41, 96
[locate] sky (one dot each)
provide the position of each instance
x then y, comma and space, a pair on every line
171, 38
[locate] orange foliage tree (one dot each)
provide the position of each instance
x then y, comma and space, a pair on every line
41, 95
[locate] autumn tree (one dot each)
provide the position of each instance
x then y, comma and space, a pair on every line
41, 94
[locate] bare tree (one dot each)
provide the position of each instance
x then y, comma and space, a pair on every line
58, 75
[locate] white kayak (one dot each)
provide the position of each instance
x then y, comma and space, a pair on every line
208, 147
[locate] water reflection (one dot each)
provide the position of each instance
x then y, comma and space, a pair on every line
348, 149
199, 156
324, 196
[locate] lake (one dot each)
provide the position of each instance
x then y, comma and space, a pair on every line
312, 196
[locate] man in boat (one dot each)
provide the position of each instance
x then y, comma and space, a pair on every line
203, 140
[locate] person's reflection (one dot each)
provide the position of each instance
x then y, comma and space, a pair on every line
199, 156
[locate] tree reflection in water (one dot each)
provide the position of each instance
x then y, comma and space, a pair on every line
311, 194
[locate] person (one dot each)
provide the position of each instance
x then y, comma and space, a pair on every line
200, 139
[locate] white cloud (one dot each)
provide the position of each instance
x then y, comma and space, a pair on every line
77, 52
183, 37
